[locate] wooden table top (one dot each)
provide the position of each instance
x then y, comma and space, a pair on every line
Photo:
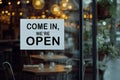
46, 57
46, 71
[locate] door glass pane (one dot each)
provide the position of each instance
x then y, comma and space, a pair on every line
87, 37
46, 64
108, 39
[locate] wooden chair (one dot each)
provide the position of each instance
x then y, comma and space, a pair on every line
9, 75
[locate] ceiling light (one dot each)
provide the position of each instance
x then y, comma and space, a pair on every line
38, 4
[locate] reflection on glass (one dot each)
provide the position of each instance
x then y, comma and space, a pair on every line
41, 66
50, 54
52, 65
41, 53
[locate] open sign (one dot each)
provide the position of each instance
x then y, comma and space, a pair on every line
42, 34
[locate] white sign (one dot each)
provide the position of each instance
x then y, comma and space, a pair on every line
42, 34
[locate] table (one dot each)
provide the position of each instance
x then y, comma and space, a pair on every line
34, 69
48, 58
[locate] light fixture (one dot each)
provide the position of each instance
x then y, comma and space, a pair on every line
33, 17
59, 13
38, 4
55, 9
18, 2
47, 11
6, 11
38, 17
90, 15
70, 6
27, 1
3, 12
64, 16
63, 5
13, 13
43, 16
84, 16
20, 13
9, 3
8, 14
0, 1
87, 16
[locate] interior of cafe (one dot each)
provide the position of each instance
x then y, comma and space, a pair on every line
17, 64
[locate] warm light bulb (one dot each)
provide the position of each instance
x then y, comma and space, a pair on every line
6, 11
9, 3
63, 5
38, 4
18, 2
38, 17
20, 13
3, 12
70, 6
33, 17
0, 2
64, 16
50, 17
90, 16
59, 13
13, 13
47, 11
27, 1
8, 14
84, 16
43, 12
55, 9
43, 16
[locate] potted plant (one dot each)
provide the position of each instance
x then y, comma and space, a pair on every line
105, 46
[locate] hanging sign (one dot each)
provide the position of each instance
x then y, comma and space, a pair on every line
42, 34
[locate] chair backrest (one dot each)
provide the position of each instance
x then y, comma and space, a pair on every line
8, 71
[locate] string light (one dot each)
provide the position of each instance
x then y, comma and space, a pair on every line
6, 11
55, 9
3, 12
59, 13
38, 17
43, 16
33, 17
90, 15
9, 14
64, 16
50, 17
20, 13
43, 12
63, 5
9, 3
70, 6
18, 2
38, 4
13, 13
27, 1
0, 1
84, 16
46, 10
